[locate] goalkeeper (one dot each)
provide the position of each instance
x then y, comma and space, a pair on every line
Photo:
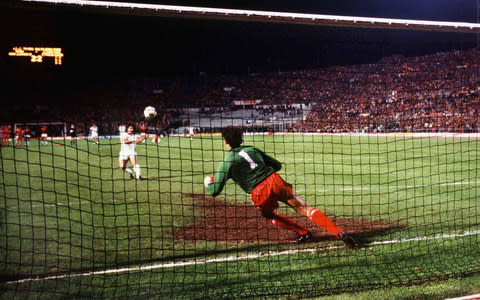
256, 173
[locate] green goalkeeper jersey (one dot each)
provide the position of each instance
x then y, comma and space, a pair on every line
247, 166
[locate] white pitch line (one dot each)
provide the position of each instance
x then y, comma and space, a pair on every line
231, 258
424, 238
49, 204
71, 203
470, 297
59, 204
370, 187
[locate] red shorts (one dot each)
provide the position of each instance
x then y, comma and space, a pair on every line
267, 193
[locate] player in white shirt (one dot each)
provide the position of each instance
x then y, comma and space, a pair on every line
122, 128
191, 132
129, 142
94, 133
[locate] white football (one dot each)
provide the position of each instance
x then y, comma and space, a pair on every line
208, 180
149, 112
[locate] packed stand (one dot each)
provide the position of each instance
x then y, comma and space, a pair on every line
432, 93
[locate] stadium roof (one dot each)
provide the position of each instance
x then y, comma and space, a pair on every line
261, 16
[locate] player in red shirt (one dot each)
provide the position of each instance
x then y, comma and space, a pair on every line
6, 135
44, 135
19, 136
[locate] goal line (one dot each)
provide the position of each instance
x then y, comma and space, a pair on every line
237, 258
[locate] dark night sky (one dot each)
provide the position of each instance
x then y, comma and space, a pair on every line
101, 44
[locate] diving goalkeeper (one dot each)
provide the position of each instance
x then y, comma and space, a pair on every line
256, 173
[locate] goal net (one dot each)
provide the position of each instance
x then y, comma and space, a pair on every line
386, 149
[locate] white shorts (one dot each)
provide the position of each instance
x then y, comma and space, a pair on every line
124, 157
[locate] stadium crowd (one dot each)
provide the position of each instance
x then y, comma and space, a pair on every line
436, 92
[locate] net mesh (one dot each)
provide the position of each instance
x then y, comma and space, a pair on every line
388, 151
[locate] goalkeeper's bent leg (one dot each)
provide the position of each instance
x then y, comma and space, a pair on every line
287, 223
313, 214
323, 221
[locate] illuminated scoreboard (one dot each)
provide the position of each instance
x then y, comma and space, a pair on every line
37, 54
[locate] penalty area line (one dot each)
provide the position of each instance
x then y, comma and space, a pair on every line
470, 297
232, 258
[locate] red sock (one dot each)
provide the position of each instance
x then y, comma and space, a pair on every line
323, 221
287, 223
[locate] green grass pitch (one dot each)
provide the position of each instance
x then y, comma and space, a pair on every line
72, 223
